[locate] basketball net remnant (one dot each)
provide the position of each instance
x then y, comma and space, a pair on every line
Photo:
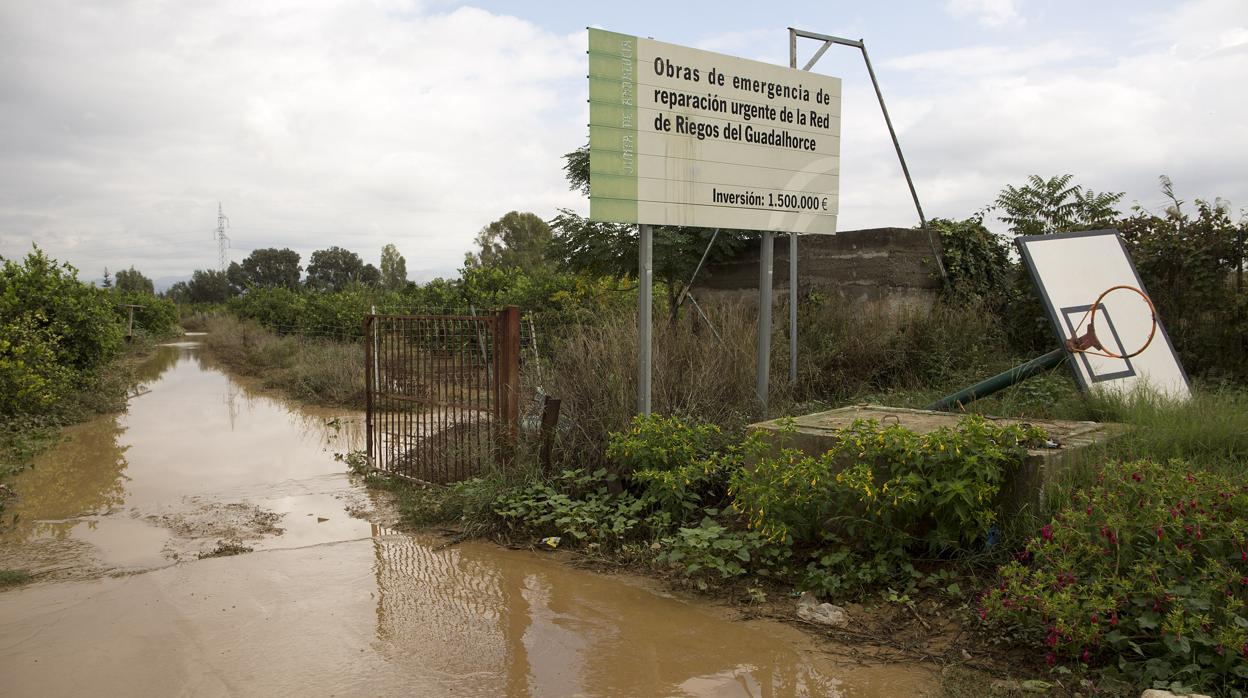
1088, 341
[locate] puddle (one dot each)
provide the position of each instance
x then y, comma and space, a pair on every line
165, 480
329, 603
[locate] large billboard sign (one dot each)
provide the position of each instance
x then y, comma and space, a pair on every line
680, 136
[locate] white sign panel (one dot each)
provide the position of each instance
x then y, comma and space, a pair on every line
685, 137
1071, 271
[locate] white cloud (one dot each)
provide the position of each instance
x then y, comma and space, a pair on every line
316, 124
1171, 108
1000, 60
989, 13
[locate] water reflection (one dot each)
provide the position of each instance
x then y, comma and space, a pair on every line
549, 630
83, 475
166, 455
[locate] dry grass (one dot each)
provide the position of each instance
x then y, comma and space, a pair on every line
315, 370
847, 353
696, 375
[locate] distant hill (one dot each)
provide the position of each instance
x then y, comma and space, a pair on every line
163, 283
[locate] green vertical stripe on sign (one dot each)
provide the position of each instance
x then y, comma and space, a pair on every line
613, 104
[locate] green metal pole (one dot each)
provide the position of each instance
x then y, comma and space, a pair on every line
1001, 381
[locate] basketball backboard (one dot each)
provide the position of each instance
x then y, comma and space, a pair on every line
1088, 282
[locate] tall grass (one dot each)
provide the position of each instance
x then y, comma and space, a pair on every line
847, 353
314, 370
696, 374
1210, 430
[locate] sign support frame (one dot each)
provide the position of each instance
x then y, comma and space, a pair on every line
861, 45
645, 319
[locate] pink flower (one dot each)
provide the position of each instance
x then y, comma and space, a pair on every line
1095, 619
1113, 619
1046, 532
1136, 477
1159, 533
1051, 658
1084, 657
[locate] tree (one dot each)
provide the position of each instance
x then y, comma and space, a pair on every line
334, 269
1055, 205
610, 249
370, 275
517, 240
270, 268
132, 281
179, 293
237, 278
209, 286
108, 281
393, 269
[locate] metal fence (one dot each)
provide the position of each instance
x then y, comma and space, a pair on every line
443, 393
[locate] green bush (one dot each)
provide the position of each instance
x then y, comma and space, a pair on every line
277, 308
977, 262
155, 317
32, 379
679, 465
903, 488
712, 549
57, 331
1146, 571
579, 506
1190, 266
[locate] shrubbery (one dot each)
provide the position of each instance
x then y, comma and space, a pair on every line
1146, 571
56, 333
561, 300
703, 504
155, 317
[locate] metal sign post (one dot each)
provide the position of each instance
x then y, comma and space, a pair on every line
645, 321
766, 257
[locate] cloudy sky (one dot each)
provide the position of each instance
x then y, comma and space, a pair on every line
341, 122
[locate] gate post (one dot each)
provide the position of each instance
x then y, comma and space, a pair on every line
370, 380
507, 353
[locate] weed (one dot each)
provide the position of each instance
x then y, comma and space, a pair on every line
226, 548
12, 578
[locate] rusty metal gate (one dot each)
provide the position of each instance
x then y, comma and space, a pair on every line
443, 393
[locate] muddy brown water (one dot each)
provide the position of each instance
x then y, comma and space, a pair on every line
331, 603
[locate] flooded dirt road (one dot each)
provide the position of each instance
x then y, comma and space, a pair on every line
331, 603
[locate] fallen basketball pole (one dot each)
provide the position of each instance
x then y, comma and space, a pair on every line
1001, 381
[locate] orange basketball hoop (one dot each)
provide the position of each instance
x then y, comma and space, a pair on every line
1088, 341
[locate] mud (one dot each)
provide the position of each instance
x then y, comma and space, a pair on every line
330, 602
